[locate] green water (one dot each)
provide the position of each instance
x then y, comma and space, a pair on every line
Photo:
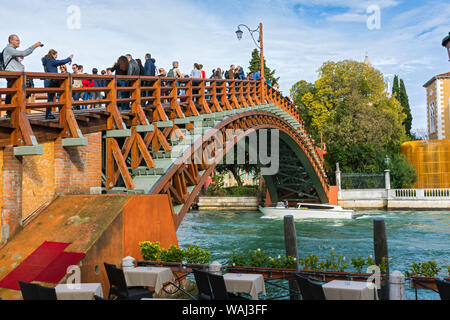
413, 236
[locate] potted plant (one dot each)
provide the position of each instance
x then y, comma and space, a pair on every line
196, 258
258, 262
332, 268
150, 252
423, 274
173, 258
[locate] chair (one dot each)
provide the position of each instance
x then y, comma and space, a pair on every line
29, 291
46, 293
309, 289
443, 288
118, 286
33, 291
203, 285
219, 288
109, 273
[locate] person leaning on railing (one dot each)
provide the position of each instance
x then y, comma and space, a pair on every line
121, 69
51, 66
76, 83
11, 60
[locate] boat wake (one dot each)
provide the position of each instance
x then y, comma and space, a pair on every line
365, 216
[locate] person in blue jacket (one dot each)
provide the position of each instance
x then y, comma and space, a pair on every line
51, 65
150, 68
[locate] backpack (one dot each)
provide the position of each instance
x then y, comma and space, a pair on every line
171, 74
3, 66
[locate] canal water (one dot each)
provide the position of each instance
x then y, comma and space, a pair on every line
413, 236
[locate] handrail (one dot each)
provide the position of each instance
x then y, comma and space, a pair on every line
166, 98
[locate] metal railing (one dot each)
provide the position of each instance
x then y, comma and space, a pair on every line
420, 194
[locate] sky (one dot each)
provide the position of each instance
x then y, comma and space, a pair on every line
401, 37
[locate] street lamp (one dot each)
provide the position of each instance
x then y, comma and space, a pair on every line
240, 33
387, 161
446, 43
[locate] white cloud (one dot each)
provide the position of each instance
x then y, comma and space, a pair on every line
348, 17
408, 43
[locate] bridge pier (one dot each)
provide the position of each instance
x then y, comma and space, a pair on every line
29, 182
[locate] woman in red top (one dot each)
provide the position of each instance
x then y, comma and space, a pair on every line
203, 71
87, 95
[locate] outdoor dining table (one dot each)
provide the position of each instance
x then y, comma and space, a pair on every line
148, 277
79, 291
245, 283
349, 290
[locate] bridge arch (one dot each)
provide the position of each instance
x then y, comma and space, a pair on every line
185, 171
139, 155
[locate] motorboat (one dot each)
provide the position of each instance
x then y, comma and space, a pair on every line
308, 210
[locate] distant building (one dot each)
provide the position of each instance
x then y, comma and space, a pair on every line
247, 180
367, 61
431, 158
438, 100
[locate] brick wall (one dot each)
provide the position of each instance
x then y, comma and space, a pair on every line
77, 169
11, 194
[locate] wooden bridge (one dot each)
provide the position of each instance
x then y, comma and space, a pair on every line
153, 147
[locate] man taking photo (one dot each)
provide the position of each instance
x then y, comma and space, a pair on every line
11, 60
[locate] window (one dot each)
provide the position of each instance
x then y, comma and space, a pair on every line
432, 118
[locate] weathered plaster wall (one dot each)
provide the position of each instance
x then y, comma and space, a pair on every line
38, 180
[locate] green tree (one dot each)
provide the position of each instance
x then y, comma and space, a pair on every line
395, 87
255, 66
404, 101
403, 174
298, 91
360, 122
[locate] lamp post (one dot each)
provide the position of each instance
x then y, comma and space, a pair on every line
446, 43
387, 161
239, 34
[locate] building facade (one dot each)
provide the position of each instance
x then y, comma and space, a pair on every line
438, 100
431, 158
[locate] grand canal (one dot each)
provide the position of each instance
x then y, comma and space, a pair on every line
413, 236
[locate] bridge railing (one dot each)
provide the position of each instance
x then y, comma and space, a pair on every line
155, 98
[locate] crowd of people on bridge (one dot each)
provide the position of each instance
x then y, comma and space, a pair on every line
11, 60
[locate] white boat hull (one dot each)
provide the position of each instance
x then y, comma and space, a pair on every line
308, 213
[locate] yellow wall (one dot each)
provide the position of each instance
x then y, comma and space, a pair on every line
445, 93
1, 185
440, 95
431, 159
38, 180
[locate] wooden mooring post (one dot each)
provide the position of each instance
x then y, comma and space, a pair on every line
290, 242
381, 251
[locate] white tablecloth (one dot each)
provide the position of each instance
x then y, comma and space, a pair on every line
245, 283
348, 290
148, 277
81, 291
